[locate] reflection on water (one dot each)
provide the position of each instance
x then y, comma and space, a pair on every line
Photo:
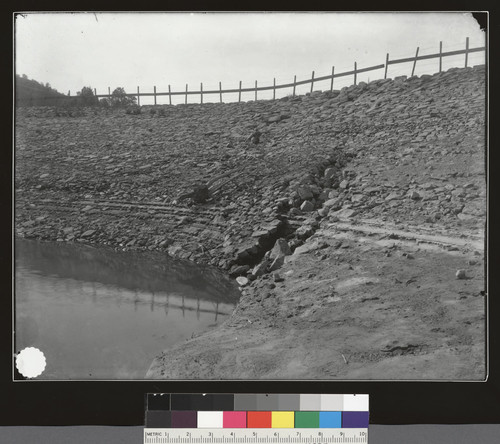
105, 315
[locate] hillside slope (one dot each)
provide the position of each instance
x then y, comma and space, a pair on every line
379, 190
29, 92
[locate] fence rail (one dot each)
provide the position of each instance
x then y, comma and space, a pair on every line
201, 92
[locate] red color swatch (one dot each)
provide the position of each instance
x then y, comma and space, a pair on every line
259, 420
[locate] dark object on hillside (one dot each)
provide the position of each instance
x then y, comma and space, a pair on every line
255, 137
133, 109
200, 194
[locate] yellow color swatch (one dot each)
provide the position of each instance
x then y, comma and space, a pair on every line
283, 420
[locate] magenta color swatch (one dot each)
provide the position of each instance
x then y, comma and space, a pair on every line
234, 420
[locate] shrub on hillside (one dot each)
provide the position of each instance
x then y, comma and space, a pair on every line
119, 98
86, 97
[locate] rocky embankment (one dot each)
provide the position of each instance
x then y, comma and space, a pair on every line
344, 215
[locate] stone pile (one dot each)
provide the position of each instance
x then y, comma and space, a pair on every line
403, 150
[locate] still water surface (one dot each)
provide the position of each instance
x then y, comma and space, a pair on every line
99, 314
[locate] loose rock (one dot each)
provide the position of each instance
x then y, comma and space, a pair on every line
307, 206
242, 281
461, 274
280, 249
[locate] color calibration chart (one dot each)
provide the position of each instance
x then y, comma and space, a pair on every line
256, 418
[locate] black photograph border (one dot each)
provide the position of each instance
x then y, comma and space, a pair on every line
121, 403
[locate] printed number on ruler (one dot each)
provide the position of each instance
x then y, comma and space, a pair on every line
255, 436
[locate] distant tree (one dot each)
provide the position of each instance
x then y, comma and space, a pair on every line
87, 97
119, 98
25, 76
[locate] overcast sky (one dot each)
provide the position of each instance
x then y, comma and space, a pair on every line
72, 50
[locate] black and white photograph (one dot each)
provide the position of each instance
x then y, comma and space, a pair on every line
250, 196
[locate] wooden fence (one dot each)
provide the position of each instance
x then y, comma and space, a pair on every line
440, 55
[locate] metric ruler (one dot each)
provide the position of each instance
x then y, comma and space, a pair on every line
255, 436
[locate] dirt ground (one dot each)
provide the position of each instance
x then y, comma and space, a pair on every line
354, 306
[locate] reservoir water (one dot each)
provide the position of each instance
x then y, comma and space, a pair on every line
101, 314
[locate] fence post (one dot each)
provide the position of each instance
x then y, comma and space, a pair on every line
386, 65
201, 91
109, 92
415, 62
274, 88
256, 90
220, 89
138, 97
239, 94
155, 94
333, 73
169, 95
466, 51
312, 81
186, 99
294, 82
95, 92
440, 56
355, 72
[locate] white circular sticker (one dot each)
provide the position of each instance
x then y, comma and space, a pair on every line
30, 362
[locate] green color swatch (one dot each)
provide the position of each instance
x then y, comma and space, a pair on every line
306, 420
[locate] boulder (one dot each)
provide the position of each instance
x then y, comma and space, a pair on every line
255, 137
260, 269
461, 274
414, 195
200, 194
329, 173
345, 213
277, 263
307, 206
280, 249
277, 278
333, 203
305, 193
307, 247
304, 231
242, 281
239, 270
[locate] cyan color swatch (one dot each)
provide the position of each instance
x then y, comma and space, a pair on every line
330, 420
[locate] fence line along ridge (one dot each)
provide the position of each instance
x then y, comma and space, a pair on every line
296, 83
